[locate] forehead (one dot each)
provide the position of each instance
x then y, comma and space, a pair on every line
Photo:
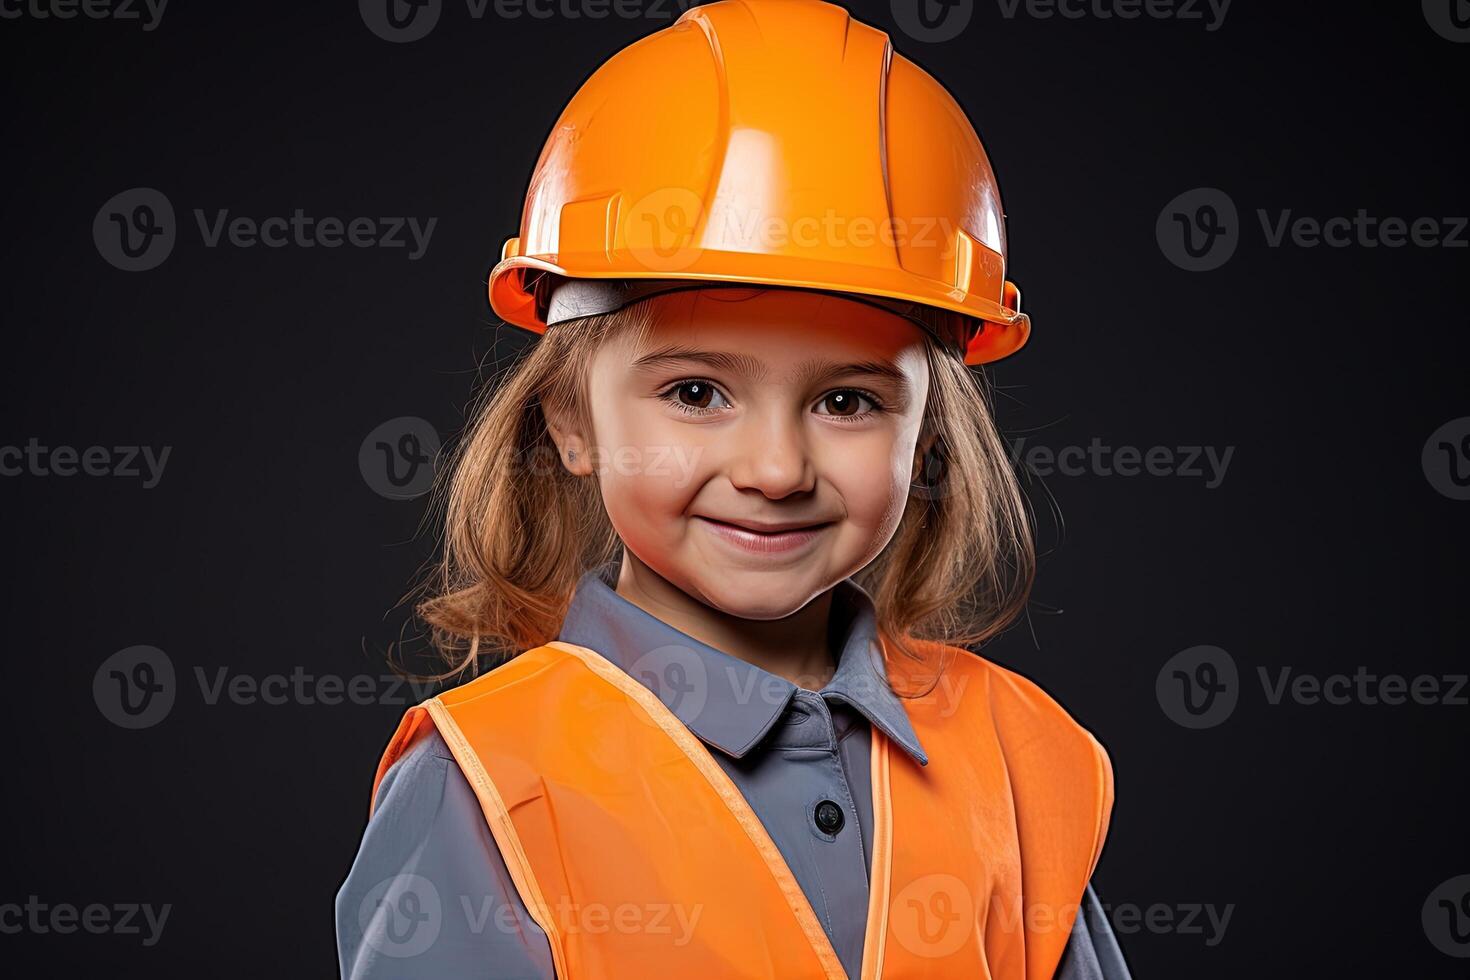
776, 325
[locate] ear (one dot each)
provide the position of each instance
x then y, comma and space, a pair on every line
926, 443
571, 443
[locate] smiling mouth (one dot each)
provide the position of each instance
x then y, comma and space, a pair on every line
765, 538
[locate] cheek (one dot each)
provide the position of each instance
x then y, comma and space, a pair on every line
648, 476
871, 473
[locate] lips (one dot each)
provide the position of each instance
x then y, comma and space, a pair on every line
765, 527
764, 537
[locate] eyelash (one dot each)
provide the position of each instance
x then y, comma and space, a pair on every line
671, 395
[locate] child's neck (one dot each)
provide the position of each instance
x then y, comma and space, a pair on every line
795, 647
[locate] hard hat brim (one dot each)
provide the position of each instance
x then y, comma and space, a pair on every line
1005, 331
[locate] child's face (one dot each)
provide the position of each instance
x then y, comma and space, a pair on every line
791, 411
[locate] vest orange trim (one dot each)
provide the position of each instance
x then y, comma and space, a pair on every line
637, 856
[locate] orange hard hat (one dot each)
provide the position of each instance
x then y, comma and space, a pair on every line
771, 142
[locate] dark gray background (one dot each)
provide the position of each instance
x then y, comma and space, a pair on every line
263, 548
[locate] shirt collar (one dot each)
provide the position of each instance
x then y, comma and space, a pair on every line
726, 702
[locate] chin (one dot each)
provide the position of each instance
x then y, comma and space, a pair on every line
761, 595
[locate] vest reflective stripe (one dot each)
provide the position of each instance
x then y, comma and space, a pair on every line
636, 854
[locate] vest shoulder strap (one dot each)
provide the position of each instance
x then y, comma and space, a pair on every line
1056, 764
417, 723
1033, 775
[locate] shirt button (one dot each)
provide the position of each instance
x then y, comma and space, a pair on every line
828, 816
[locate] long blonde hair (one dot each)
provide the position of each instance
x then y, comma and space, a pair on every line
520, 530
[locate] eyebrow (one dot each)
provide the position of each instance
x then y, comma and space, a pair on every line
809, 371
739, 363
817, 369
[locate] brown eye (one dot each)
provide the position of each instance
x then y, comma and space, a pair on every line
695, 397
696, 394
843, 402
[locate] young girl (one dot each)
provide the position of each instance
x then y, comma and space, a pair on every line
734, 519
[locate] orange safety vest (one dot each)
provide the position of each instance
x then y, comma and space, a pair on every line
638, 857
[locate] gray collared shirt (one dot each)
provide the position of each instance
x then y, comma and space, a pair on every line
430, 896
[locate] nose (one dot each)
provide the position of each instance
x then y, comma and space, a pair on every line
769, 453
